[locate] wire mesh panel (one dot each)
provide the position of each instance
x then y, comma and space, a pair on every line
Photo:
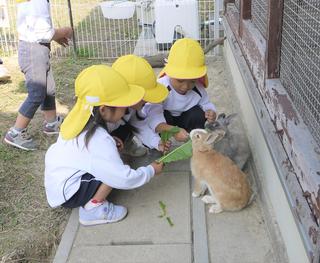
8, 43
300, 59
237, 4
150, 30
259, 15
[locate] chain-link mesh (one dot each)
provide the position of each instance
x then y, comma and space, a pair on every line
300, 59
259, 15
103, 38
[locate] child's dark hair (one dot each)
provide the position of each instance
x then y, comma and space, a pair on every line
93, 123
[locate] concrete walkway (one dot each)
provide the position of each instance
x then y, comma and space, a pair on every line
196, 236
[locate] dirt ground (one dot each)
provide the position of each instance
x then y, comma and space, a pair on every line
29, 229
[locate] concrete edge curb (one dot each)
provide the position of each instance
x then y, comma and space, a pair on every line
67, 238
199, 231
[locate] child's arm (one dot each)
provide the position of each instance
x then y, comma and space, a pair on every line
107, 166
207, 106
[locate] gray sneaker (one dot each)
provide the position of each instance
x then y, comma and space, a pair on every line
54, 127
134, 148
20, 139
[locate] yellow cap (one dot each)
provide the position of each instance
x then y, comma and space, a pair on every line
98, 85
138, 71
186, 60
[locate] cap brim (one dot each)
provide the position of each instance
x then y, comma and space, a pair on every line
132, 97
75, 121
157, 94
78, 117
187, 73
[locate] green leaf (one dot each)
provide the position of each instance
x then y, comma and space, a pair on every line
180, 153
169, 221
163, 208
166, 135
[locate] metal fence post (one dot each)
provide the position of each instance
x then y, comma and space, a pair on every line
71, 24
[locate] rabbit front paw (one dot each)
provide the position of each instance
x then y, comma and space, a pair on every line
196, 194
209, 199
215, 209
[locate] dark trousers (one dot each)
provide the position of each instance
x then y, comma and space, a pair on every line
191, 119
123, 132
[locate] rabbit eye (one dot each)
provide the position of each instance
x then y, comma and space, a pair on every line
197, 136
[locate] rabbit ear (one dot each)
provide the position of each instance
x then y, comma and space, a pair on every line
215, 136
221, 116
230, 117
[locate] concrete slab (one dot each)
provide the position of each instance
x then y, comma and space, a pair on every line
239, 237
143, 225
172, 253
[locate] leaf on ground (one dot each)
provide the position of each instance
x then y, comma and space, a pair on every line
163, 209
166, 135
169, 221
180, 153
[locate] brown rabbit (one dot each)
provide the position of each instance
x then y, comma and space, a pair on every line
228, 185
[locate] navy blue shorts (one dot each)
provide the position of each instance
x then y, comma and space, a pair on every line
88, 187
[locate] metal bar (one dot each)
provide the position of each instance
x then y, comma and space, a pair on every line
74, 33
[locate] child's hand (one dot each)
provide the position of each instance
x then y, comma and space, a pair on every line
63, 42
157, 167
182, 135
164, 146
119, 143
210, 115
62, 35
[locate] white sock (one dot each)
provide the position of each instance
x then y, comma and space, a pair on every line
17, 130
92, 204
53, 122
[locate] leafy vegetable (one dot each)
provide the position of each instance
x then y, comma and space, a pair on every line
163, 208
166, 135
164, 213
169, 221
180, 153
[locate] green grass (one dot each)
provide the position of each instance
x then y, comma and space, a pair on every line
29, 229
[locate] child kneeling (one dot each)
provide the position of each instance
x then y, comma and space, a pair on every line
83, 166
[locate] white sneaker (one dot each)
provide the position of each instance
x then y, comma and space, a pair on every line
102, 214
4, 73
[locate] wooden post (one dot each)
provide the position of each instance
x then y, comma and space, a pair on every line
225, 3
274, 33
245, 13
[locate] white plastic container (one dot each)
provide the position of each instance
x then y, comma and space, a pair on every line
118, 9
171, 15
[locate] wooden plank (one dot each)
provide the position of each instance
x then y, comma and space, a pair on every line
275, 14
245, 13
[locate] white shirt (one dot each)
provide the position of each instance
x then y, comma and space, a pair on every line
144, 133
34, 21
67, 160
177, 103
